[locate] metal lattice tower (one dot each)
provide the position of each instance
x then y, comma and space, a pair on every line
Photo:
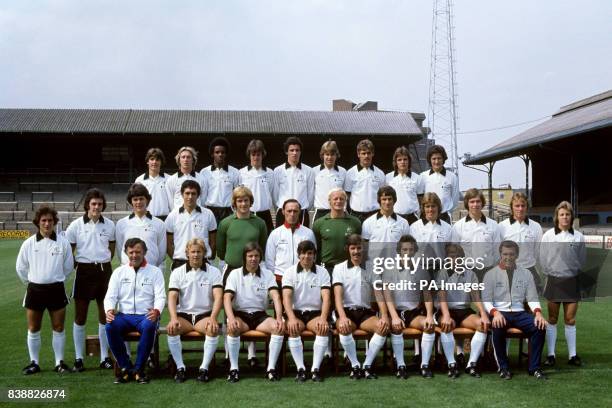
442, 111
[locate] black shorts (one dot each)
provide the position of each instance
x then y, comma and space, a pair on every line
362, 216
358, 315
304, 218
411, 218
41, 296
458, 315
177, 263
319, 213
91, 281
220, 212
194, 318
266, 216
252, 319
307, 315
408, 316
566, 290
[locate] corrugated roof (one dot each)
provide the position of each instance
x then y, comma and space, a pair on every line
207, 121
583, 116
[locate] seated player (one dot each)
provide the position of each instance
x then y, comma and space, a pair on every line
245, 302
353, 290
44, 262
195, 297
307, 302
405, 307
506, 306
134, 301
455, 311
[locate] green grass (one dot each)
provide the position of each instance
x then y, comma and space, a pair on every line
585, 386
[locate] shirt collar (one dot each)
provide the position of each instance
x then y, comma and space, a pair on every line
180, 174
350, 264
197, 208
86, 219
513, 220
426, 221
161, 174
360, 167
408, 173
213, 167
558, 231
298, 165
300, 269
142, 265
322, 167
204, 266
442, 172
379, 215
148, 215
482, 218
288, 226
257, 272
52, 237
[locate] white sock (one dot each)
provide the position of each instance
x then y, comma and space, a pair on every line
459, 348
297, 351
276, 344
570, 338
375, 344
59, 341
551, 338
252, 350
103, 341
427, 341
397, 344
319, 349
176, 349
210, 346
328, 351
417, 347
34, 345
233, 348
448, 345
78, 335
476, 346
350, 348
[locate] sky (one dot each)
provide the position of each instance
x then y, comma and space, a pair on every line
515, 61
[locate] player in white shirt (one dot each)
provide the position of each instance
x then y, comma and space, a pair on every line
135, 299
282, 244
155, 181
92, 237
141, 224
327, 176
186, 160
525, 232
477, 234
441, 181
293, 179
363, 181
562, 257
307, 302
260, 180
410, 307
43, 264
221, 179
195, 297
431, 232
245, 301
187, 222
408, 185
354, 294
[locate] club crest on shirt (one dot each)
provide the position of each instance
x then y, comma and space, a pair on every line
260, 286
147, 282
56, 250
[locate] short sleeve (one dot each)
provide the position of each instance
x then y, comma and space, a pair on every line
288, 279
271, 281
365, 229
231, 284
174, 282
111, 237
338, 276
348, 181
212, 223
217, 279
71, 232
324, 278
170, 223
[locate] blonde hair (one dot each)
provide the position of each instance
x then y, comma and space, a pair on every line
191, 150
241, 191
329, 147
431, 198
336, 190
563, 205
365, 144
195, 242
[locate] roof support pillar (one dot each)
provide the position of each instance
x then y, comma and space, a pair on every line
573, 185
526, 160
489, 170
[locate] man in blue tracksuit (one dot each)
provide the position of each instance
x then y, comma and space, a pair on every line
134, 301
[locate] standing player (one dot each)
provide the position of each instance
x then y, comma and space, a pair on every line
43, 263
563, 255
92, 236
190, 221
455, 311
332, 229
353, 292
221, 179
327, 176
293, 179
155, 181
245, 302
363, 181
406, 307
506, 289
186, 160
141, 224
307, 302
282, 245
260, 180
195, 297
525, 232
408, 185
476, 233
441, 181
134, 301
